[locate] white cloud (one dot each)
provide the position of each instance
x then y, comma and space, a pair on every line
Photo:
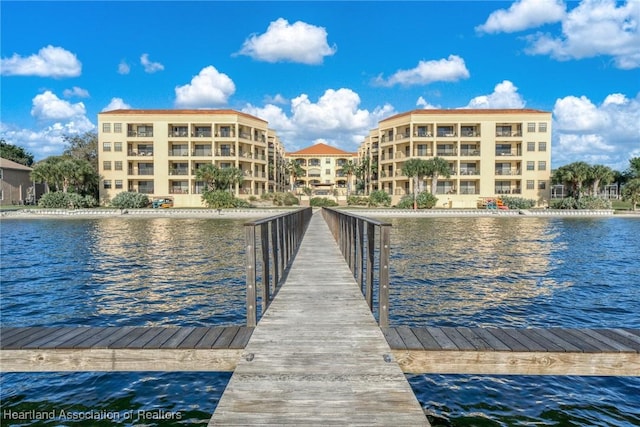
47, 106
208, 89
123, 67
297, 42
76, 91
505, 95
594, 28
607, 134
149, 66
522, 15
117, 104
450, 69
50, 61
277, 99
335, 118
423, 103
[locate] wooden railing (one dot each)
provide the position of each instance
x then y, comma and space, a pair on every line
356, 237
280, 236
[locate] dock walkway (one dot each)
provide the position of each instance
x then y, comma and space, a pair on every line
317, 356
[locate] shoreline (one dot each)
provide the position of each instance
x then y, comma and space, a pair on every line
267, 212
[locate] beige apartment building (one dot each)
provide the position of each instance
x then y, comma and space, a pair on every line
157, 152
491, 153
324, 170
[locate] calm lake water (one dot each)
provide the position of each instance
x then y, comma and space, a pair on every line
521, 272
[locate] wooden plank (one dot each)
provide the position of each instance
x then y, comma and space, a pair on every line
425, 338
411, 342
161, 338
612, 343
393, 338
193, 338
55, 335
242, 338
457, 338
524, 339
599, 346
582, 345
25, 336
441, 338
104, 359
148, 335
491, 340
474, 339
7, 332
209, 339
177, 338
548, 344
508, 340
113, 335
227, 336
557, 341
631, 338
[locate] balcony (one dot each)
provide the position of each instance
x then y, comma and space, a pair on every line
202, 132
503, 190
179, 152
469, 152
140, 171
508, 172
508, 153
179, 132
179, 171
202, 153
446, 153
469, 171
146, 153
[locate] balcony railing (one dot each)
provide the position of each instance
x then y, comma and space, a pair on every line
179, 171
508, 153
202, 153
136, 171
140, 153
179, 134
501, 190
446, 153
508, 133
144, 134
508, 172
179, 190
179, 152
469, 172
469, 191
472, 152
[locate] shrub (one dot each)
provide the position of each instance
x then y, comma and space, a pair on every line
61, 200
424, 201
280, 199
518, 202
221, 199
357, 201
130, 200
587, 202
320, 202
379, 198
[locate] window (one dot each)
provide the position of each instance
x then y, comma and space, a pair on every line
106, 184
117, 146
327, 161
530, 184
531, 146
106, 127
542, 165
542, 185
117, 127
542, 127
531, 166
106, 146
117, 165
106, 165
531, 127
542, 146
118, 184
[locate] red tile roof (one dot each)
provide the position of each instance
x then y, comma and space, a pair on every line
321, 149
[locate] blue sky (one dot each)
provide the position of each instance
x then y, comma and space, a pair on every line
325, 71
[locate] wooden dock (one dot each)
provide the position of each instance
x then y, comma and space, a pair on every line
317, 356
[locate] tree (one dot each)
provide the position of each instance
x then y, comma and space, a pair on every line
15, 153
416, 169
219, 178
634, 167
84, 147
574, 175
294, 170
631, 192
600, 174
208, 174
348, 168
66, 173
437, 167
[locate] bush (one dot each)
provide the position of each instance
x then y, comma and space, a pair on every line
61, 200
281, 199
587, 202
424, 201
518, 202
357, 201
221, 199
379, 198
130, 200
320, 202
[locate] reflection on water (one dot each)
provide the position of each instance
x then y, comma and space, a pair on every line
515, 272
111, 272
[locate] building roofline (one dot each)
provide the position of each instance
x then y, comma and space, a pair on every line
10, 164
182, 112
321, 149
467, 111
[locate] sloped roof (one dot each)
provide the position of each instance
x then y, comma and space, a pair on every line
467, 111
181, 112
321, 149
9, 164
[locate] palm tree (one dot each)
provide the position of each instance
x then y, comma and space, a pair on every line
348, 168
631, 192
600, 174
416, 169
436, 168
574, 174
229, 177
209, 175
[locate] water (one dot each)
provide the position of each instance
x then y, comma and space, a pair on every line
537, 272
